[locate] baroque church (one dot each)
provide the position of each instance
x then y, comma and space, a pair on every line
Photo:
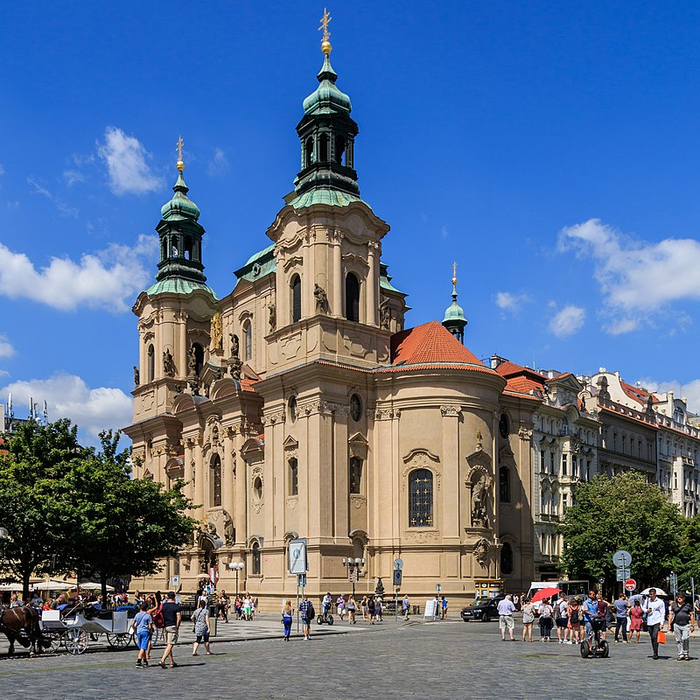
299, 404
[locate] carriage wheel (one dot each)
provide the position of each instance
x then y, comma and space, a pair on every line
118, 641
76, 641
55, 640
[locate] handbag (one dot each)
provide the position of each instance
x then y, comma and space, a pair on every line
661, 637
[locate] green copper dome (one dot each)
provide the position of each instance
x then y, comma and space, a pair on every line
327, 98
454, 312
455, 321
180, 206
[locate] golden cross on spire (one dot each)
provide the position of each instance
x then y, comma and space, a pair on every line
180, 162
325, 44
454, 273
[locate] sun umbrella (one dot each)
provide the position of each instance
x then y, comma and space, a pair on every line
659, 591
52, 585
206, 576
94, 587
11, 587
545, 593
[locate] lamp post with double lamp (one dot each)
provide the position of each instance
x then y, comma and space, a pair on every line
236, 566
354, 566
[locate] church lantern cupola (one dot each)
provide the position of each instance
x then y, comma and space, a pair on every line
327, 133
180, 234
455, 320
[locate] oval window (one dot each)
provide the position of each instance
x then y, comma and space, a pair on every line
258, 488
355, 407
503, 426
292, 407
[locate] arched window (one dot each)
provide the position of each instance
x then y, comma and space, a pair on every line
506, 559
188, 248
420, 498
216, 480
308, 152
293, 477
352, 298
255, 569
151, 363
296, 298
198, 356
323, 148
504, 484
164, 249
247, 341
355, 475
339, 150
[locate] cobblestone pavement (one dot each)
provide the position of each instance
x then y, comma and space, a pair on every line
415, 660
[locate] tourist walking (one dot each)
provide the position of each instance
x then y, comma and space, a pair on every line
528, 609
682, 622
406, 606
340, 606
561, 617
371, 608
307, 612
546, 621
142, 625
505, 618
575, 621
636, 618
172, 617
656, 614
351, 610
443, 609
202, 628
621, 606
364, 608
287, 616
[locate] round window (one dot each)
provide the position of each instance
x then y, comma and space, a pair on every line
257, 488
292, 407
355, 407
503, 426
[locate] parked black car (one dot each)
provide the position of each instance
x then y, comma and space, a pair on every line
483, 609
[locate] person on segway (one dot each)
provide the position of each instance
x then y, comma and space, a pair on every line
595, 621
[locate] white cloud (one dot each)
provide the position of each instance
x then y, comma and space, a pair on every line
218, 164
568, 321
6, 349
68, 396
691, 391
637, 278
71, 176
127, 166
2, 169
109, 279
509, 302
62, 208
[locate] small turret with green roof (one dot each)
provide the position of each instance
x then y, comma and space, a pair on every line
455, 320
180, 269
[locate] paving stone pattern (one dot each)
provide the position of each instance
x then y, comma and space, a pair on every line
449, 659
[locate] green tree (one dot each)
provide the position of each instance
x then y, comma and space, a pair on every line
123, 526
623, 512
34, 462
689, 566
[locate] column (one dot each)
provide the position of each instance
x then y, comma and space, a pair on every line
180, 353
372, 279
338, 281
450, 520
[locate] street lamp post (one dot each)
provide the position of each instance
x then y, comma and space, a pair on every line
354, 566
236, 566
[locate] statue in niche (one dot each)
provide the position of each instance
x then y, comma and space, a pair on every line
192, 363
137, 376
217, 332
229, 530
168, 364
384, 314
321, 298
481, 550
479, 440
480, 494
272, 316
235, 345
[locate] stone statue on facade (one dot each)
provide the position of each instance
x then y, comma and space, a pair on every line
272, 316
321, 298
480, 494
384, 314
217, 332
481, 551
191, 363
229, 530
235, 345
137, 376
168, 364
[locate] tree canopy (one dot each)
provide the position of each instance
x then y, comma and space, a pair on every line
622, 512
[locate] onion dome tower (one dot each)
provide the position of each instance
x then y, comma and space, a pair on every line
454, 320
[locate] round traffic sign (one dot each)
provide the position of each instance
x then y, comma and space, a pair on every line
398, 564
622, 558
630, 584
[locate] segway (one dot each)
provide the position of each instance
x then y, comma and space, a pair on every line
594, 645
325, 617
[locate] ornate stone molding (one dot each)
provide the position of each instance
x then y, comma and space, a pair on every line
422, 536
292, 502
386, 413
257, 503
524, 433
481, 551
357, 501
450, 411
421, 459
273, 417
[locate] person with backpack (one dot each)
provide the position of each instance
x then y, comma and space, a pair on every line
546, 612
575, 621
561, 618
307, 612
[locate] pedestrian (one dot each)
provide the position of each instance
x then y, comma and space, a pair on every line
406, 606
378, 607
561, 617
142, 625
436, 609
546, 612
682, 622
621, 606
371, 608
636, 618
172, 617
444, 607
575, 621
156, 612
340, 606
656, 615
528, 609
307, 612
603, 610
247, 607
364, 608
202, 628
351, 610
505, 618
287, 616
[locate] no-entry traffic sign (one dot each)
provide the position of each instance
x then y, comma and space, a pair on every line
630, 584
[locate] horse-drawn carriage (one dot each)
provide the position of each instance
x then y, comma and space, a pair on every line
75, 628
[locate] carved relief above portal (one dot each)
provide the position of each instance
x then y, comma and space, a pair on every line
481, 551
421, 459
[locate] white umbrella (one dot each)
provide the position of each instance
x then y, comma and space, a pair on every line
11, 587
94, 587
659, 591
52, 585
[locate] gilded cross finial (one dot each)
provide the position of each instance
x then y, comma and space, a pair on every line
325, 43
180, 162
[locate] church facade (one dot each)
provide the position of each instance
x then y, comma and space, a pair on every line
300, 406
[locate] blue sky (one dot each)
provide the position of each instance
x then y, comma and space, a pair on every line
550, 148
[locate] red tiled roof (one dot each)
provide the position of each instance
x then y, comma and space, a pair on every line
430, 343
523, 385
248, 385
510, 369
637, 394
